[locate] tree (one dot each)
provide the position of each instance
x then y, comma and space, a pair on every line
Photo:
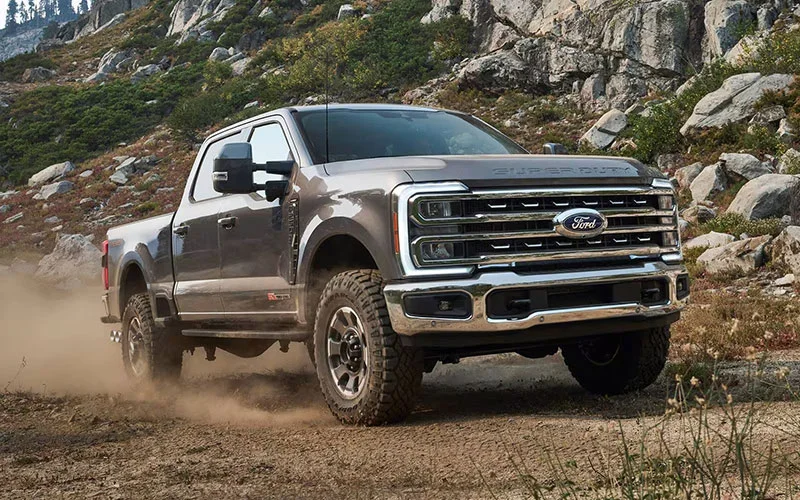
65, 12
11, 16
83, 8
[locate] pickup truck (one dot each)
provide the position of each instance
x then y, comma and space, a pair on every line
389, 238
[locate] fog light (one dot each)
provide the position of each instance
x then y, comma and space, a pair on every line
440, 209
682, 286
438, 305
666, 202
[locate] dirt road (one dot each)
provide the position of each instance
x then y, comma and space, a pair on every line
70, 425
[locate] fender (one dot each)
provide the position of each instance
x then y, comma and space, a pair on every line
377, 242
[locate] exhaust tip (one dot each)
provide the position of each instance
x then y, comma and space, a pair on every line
115, 336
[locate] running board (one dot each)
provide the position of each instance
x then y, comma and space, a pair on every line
297, 335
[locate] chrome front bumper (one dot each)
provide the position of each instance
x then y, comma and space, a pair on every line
479, 286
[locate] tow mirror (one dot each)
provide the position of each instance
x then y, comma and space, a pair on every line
233, 169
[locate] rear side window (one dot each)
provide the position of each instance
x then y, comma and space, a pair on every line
203, 184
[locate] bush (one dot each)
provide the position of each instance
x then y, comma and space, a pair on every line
735, 224
56, 123
12, 69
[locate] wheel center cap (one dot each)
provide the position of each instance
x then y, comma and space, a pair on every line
352, 348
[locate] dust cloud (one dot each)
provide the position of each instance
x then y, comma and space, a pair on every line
52, 342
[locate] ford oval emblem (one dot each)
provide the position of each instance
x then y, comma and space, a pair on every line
580, 223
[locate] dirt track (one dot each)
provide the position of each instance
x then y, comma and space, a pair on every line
243, 428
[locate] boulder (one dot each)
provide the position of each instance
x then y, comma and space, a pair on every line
765, 196
723, 22
119, 178
734, 101
440, 10
606, 129
51, 173
785, 249
744, 165
786, 280
770, 114
56, 188
219, 54
708, 182
785, 131
37, 74
698, 214
240, 66
73, 258
127, 166
346, 11
145, 72
789, 162
499, 71
710, 240
741, 256
687, 174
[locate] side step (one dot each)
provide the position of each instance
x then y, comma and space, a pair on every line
296, 334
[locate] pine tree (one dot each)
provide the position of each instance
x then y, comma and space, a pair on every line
83, 8
11, 16
33, 13
50, 9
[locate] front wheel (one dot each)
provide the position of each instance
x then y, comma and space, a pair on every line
149, 352
367, 377
619, 364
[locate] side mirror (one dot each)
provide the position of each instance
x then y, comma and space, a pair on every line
554, 148
233, 169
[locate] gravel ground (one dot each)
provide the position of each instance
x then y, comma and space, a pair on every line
70, 426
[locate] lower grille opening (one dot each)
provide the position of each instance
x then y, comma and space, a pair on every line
520, 303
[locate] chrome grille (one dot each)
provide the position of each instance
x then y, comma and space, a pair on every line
517, 226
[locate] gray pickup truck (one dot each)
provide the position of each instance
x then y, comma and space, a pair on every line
390, 238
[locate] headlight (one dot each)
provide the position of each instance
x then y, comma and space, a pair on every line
436, 209
442, 251
666, 202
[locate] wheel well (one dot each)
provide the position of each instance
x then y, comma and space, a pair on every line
336, 254
132, 282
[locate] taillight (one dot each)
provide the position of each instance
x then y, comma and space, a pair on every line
105, 264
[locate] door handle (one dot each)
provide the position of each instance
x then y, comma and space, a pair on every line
227, 222
181, 230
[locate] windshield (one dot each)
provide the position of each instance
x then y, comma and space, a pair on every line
356, 134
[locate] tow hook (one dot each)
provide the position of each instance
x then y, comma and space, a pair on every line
115, 336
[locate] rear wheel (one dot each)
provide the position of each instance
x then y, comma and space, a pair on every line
149, 353
619, 364
366, 375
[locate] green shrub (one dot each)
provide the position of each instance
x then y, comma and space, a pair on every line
736, 224
12, 69
56, 123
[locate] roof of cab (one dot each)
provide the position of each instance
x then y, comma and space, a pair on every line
285, 112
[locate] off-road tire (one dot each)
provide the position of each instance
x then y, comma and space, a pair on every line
395, 371
162, 353
638, 362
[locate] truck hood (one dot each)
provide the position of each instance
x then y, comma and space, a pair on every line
532, 170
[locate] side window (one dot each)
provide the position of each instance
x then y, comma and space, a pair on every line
269, 144
203, 185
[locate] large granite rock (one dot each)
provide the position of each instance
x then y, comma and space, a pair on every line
51, 173
605, 130
785, 249
765, 196
74, 259
710, 181
710, 240
734, 101
189, 18
742, 256
55, 189
744, 165
723, 21
37, 74
687, 174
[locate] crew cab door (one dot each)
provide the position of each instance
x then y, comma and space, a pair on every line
195, 241
254, 240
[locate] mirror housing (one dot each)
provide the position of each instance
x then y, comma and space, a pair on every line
233, 169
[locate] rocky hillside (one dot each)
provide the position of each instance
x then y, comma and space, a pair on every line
100, 124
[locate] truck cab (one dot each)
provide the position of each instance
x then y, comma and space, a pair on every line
390, 238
